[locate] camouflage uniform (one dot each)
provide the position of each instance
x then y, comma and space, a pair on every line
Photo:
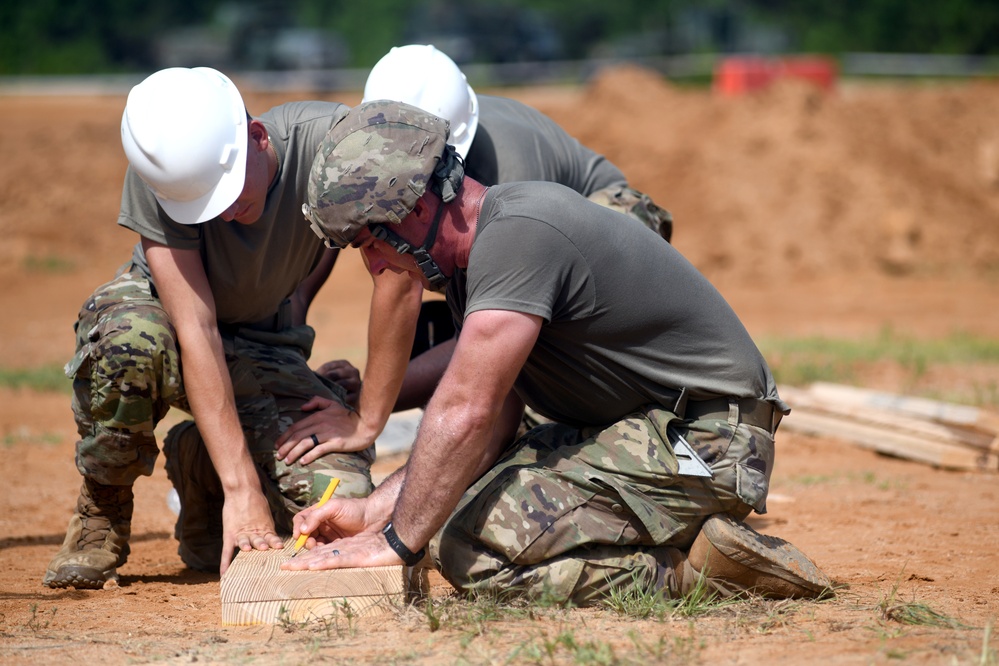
635, 204
572, 513
127, 375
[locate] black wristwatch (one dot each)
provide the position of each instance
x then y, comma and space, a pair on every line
408, 556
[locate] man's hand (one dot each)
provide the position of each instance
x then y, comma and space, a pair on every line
367, 549
247, 524
344, 374
337, 519
331, 428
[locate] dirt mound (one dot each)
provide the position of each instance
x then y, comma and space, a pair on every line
786, 183
792, 182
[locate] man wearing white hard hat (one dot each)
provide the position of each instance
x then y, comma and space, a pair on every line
208, 315
500, 140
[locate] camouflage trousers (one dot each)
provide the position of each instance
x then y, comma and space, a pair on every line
571, 514
127, 374
635, 204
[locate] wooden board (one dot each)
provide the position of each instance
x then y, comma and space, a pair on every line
821, 402
937, 453
255, 590
934, 410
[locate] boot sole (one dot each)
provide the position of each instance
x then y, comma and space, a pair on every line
82, 578
780, 568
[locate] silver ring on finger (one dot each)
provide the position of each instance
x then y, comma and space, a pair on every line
335, 553
315, 440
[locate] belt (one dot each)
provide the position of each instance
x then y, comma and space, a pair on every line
750, 411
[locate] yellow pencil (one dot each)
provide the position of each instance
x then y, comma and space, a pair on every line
304, 536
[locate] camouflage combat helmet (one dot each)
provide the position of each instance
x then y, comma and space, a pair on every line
372, 167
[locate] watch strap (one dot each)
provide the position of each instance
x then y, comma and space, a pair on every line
408, 556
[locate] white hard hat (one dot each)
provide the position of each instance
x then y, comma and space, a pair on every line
185, 133
420, 75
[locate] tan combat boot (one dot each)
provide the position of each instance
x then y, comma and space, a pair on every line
96, 542
736, 559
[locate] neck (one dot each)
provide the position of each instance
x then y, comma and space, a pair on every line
466, 210
272, 164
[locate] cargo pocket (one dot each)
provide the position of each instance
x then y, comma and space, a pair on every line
524, 514
755, 463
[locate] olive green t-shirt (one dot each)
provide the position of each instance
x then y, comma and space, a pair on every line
515, 142
251, 268
628, 321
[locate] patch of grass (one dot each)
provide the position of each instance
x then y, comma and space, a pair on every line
871, 478
546, 649
39, 621
802, 361
50, 264
473, 614
989, 656
914, 613
678, 649
807, 480
25, 436
340, 623
41, 378
641, 601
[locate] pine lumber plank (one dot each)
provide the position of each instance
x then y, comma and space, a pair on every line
894, 420
242, 613
255, 590
934, 410
938, 454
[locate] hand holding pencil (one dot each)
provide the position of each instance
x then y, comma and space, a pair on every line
304, 536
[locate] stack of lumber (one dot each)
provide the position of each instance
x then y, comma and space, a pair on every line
941, 434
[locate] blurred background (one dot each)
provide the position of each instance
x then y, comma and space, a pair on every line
525, 40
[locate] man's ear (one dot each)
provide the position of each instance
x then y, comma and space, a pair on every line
258, 135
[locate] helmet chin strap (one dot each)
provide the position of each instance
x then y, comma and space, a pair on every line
438, 281
445, 181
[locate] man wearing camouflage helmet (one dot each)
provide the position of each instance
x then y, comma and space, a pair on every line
662, 409
500, 140
208, 315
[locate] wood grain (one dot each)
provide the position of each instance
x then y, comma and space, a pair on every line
255, 590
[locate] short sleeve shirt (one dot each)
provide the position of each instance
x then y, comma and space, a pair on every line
627, 320
515, 142
251, 268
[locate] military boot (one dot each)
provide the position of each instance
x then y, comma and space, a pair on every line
199, 525
96, 542
734, 559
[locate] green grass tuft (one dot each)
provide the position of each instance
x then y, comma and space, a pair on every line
41, 378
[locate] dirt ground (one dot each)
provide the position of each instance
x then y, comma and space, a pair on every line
844, 214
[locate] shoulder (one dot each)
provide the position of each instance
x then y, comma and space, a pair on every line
505, 107
296, 116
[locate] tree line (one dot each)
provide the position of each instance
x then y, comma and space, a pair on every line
110, 36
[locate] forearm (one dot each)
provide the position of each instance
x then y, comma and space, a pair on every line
454, 447
468, 422
210, 395
395, 308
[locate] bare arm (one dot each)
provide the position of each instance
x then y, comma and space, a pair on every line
183, 288
470, 419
